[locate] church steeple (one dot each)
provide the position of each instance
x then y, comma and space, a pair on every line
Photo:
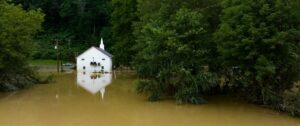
102, 44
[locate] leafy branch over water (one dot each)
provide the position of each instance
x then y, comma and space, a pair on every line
17, 28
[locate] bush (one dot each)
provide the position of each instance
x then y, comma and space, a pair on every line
291, 102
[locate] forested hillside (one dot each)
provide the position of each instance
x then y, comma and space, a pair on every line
74, 24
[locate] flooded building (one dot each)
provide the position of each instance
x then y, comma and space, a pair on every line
95, 60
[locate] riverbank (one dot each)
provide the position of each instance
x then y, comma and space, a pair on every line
31, 75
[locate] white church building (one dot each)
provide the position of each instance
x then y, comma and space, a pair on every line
95, 60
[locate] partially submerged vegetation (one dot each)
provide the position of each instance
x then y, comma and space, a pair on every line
174, 48
185, 49
261, 40
17, 81
17, 28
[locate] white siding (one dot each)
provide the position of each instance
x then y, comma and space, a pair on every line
93, 55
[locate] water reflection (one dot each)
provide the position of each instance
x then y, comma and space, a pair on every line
94, 82
63, 104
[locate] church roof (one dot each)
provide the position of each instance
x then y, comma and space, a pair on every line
100, 50
105, 52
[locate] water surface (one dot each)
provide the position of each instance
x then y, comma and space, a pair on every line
97, 102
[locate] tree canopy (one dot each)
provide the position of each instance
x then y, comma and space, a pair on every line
17, 28
78, 24
173, 43
122, 18
260, 39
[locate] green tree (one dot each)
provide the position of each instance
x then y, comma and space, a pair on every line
17, 28
79, 22
122, 17
174, 43
260, 39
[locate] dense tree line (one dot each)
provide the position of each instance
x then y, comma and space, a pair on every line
74, 24
17, 28
121, 19
260, 38
189, 49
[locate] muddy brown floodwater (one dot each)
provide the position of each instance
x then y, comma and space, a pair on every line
89, 100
